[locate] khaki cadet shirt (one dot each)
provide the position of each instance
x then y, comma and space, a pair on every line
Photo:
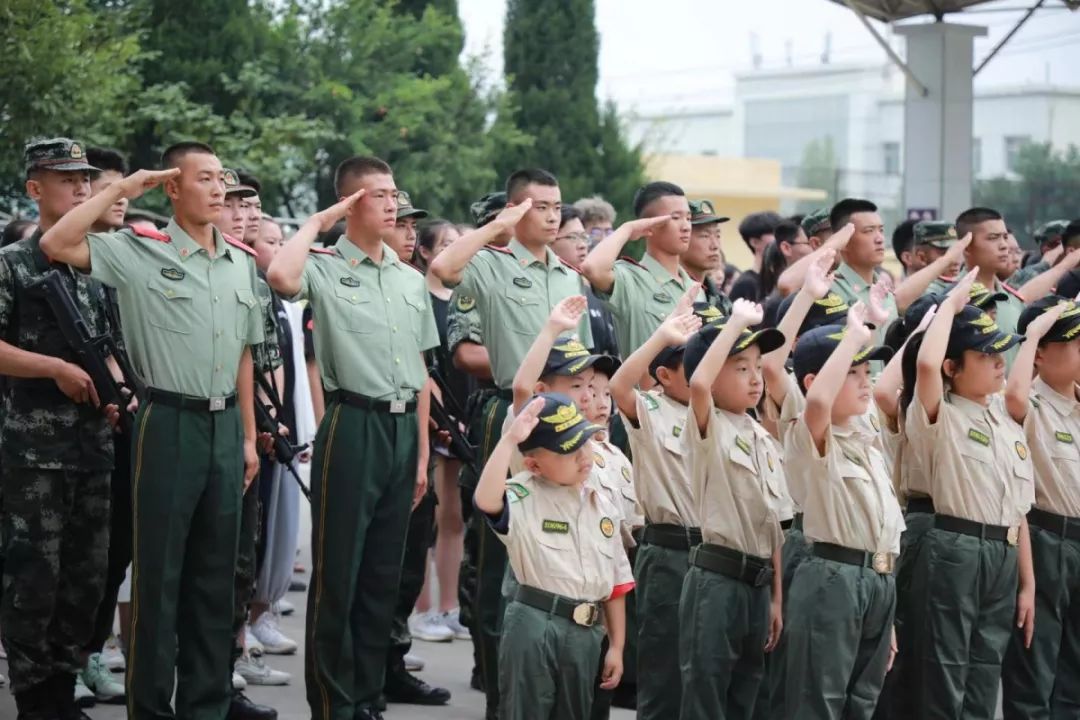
976, 460
615, 476
738, 483
374, 321
1052, 427
515, 293
642, 296
849, 285
564, 539
661, 460
187, 316
1006, 313
848, 496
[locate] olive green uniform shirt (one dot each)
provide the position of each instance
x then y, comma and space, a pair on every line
187, 316
515, 293
373, 321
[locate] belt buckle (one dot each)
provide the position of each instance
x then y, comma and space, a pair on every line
397, 407
585, 614
1013, 536
764, 575
217, 404
882, 563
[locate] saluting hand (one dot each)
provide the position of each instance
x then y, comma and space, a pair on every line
955, 254
138, 182
960, 293
686, 302
927, 317
679, 327
511, 215
839, 239
524, 422
746, 313
856, 324
819, 277
643, 226
564, 317
876, 312
329, 217
1041, 325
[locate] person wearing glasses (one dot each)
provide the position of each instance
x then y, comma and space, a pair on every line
597, 217
572, 246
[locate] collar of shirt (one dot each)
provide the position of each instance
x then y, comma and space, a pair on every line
1064, 406
855, 430
527, 259
852, 278
974, 410
187, 247
661, 274
355, 256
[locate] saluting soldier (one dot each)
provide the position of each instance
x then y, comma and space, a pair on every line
703, 257
57, 455
187, 303
514, 290
370, 456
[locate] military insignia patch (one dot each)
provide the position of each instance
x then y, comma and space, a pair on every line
626, 473
599, 460
555, 526
676, 430
465, 303
607, 527
650, 402
979, 437
1063, 437
76, 151
523, 282
516, 492
1021, 450
742, 444
768, 457
172, 274
350, 281
231, 179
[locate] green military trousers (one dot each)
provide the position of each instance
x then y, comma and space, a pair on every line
546, 665
56, 526
362, 478
658, 574
770, 702
839, 629
960, 610
187, 478
1043, 681
723, 626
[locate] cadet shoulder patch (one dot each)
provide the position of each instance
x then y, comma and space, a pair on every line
152, 234
465, 303
650, 402
1063, 437
237, 244
676, 430
1021, 450
516, 492
555, 526
979, 437
742, 444
626, 473
599, 460
607, 527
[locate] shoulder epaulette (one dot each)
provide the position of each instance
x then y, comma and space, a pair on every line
496, 248
1014, 291
236, 243
632, 261
321, 250
573, 267
152, 234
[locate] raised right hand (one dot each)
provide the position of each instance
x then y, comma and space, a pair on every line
511, 215
138, 182
564, 317
746, 313
839, 239
330, 216
818, 278
679, 327
524, 422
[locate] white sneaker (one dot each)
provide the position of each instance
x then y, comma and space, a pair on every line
256, 672
84, 697
413, 663
238, 682
268, 634
252, 646
450, 620
429, 627
112, 658
283, 607
100, 680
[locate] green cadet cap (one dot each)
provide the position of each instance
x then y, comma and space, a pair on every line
60, 154
233, 186
816, 222
1049, 230
487, 207
405, 207
935, 234
703, 213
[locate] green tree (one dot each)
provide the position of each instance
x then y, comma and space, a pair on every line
550, 58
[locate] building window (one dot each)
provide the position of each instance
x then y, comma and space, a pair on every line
891, 157
976, 157
1013, 143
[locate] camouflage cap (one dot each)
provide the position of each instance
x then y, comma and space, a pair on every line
61, 154
703, 213
935, 234
487, 207
816, 222
405, 207
234, 187
1049, 230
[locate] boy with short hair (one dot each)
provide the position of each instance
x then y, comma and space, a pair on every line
564, 549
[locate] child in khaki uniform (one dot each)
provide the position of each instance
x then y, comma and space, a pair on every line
564, 548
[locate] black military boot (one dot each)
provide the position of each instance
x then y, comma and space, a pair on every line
401, 686
243, 708
62, 687
35, 703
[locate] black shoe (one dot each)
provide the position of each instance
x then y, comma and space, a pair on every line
368, 714
242, 708
475, 682
380, 704
36, 703
404, 687
297, 585
625, 696
62, 687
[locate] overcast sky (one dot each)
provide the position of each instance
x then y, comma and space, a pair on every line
688, 50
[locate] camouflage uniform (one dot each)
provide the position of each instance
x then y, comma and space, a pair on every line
56, 459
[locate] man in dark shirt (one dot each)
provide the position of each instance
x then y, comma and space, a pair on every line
757, 233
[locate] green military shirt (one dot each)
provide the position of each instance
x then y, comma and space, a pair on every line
187, 316
462, 322
643, 295
1006, 313
1025, 274
267, 354
852, 288
515, 294
372, 321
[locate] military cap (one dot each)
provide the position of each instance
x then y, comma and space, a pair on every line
405, 207
570, 357
816, 346
1065, 329
233, 186
703, 213
1048, 230
487, 207
60, 154
829, 310
937, 234
816, 222
973, 329
1069, 286
562, 428
767, 340
916, 310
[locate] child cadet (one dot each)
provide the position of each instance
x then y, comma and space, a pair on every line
564, 549
728, 618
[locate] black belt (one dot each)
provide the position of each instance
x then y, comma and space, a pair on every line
670, 536
794, 523
749, 569
394, 407
879, 562
921, 504
1002, 533
190, 402
579, 611
1060, 525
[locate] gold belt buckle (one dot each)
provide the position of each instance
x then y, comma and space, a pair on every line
585, 614
883, 563
1013, 536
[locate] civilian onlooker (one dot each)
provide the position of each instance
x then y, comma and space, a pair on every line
572, 245
598, 218
757, 233
903, 245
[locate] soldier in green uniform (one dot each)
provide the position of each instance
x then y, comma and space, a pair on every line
187, 303
704, 256
514, 290
1048, 237
641, 295
57, 455
371, 450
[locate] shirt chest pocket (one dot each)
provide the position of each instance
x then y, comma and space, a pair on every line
246, 304
414, 308
674, 445
659, 305
354, 311
522, 306
171, 307
748, 484
555, 545
978, 458
854, 473
1065, 456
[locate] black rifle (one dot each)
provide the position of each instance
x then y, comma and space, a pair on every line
284, 451
91, 351
444, 419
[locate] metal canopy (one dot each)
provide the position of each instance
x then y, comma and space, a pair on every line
893, 10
